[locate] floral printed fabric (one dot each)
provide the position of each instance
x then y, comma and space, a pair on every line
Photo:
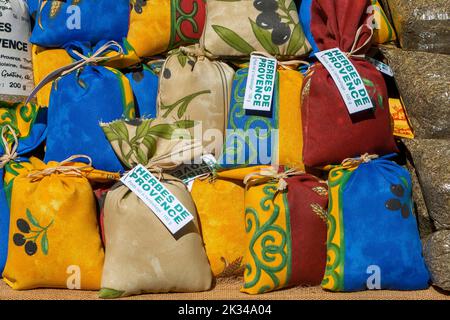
237, 28
381, 248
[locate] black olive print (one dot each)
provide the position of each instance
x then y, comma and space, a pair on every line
396, 204
281, 34
167, 73
19, 239
30, 248
393, 204
23, 226
265, 5
268, 20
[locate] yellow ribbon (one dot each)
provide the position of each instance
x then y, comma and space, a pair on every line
271, 175
10, 153
354, 162
63, 168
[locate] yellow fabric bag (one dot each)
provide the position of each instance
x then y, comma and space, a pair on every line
220, 207
54, 235
385, 32
160, 25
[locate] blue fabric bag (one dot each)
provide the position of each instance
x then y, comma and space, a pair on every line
144, 83
305, 20
33, 125
79, 101
60, 22
373, 239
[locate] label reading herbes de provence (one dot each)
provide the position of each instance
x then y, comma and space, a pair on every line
347, 79
158, 198
189, 172
260, 83
16, 77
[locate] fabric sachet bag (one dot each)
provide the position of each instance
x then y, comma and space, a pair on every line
267, 138
152, 259
22, 130
196, 88
373, 240
285, 222
238, 28
220, 207
160, 25
383, 30
144, 83
330, 133
54, 239
79, 100
60, 22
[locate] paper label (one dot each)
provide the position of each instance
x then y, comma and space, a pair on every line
16, 73
380, 66
260, 83
189, 172
158, 198
348, 81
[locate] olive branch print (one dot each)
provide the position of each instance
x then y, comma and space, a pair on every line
141, 146
270, 28
28, 237
181, 104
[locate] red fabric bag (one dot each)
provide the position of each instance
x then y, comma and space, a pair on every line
331, 134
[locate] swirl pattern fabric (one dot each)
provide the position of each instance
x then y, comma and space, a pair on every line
286, 234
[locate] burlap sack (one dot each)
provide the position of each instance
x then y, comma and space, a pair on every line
431, 160
196, 88
422, 24
424, 83
141, 254
437, 256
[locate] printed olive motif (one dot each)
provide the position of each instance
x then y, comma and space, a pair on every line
138, 4
281, 34
138, 76
396, 204
265, 5
167, 73
28, 237
269, 19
